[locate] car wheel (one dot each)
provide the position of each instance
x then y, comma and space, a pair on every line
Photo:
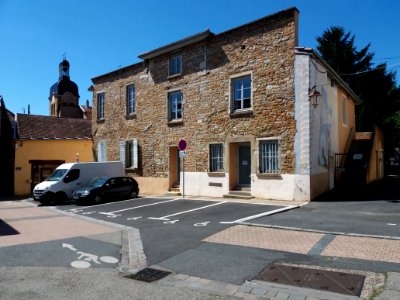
60, 198
97, 200
134, 194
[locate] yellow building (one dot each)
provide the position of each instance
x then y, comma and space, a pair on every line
43, 143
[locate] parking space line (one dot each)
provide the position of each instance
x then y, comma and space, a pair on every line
140, 206
260, 215
165, 218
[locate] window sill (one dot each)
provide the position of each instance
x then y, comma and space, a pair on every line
174, 76
216, 174
269, 176
131, 171
175, 122
100, 121
241, 113
130, 117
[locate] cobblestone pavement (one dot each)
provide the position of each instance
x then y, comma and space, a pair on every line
36, 224
369, 248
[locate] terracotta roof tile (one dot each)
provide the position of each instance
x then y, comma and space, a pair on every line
34, 127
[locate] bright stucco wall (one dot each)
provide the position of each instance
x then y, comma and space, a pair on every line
46, 150
345, 129
376, 164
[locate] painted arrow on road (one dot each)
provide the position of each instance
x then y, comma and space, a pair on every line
69, 246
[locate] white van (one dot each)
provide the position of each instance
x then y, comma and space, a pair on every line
60, 185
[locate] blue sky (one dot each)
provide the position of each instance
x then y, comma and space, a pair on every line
98, 36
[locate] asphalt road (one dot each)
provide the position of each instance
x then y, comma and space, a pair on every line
80, 252
378, 217
170, 226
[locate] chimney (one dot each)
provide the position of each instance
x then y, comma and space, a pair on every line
29, 109
87, 104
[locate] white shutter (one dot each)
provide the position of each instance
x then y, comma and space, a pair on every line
134, 154
122, 156
101, 151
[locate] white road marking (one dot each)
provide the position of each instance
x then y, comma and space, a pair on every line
171, 222
108, 259
69, 246
84, 258
165, 218
89, 213
260, 215
201, 224
75, 210
391, 224
80, 264
136, 207
134, 218
109, 215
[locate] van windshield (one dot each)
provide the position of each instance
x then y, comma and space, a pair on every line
57, 175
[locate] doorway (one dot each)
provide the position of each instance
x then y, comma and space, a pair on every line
174, 168
244, 165
41, 169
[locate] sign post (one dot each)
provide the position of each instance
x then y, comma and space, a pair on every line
182, 144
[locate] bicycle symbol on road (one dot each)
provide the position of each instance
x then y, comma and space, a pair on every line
84, 259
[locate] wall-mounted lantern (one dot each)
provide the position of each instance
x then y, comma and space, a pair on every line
314, 96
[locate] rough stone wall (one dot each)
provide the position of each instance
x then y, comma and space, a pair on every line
264, 48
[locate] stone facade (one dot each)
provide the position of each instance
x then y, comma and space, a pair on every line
263, 50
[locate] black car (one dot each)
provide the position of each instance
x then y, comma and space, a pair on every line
102, 189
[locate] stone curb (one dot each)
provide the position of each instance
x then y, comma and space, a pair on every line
133, 258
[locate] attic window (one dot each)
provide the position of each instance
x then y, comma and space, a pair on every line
175, 65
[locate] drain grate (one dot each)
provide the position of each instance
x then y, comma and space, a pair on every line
149, 275
337, 282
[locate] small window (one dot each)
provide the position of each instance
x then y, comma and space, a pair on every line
128, 152
344, 111
175, 65
174, 105
216, 158
269, 157
241, 93
100, 105
130, 99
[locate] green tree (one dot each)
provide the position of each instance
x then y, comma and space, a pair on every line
374, 84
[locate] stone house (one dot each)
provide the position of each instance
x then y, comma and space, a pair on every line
241, 100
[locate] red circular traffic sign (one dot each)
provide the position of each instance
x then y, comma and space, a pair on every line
182, 144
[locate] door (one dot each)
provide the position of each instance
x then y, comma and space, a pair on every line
244, 164
174, 167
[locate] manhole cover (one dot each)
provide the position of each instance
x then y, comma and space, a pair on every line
149, 275
337, 282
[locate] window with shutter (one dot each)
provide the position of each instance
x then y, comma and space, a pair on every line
128, 153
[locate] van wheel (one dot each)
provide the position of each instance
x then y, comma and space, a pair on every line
97, 200
60, 198
134, 194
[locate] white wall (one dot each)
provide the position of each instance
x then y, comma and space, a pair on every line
198, 184
287, 187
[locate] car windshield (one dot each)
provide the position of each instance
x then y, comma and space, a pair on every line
97, 182
57, 175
